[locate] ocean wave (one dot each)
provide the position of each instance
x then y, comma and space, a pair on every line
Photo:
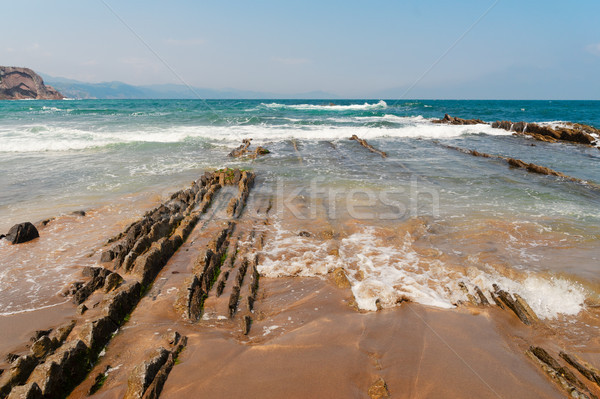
56, 138
329, 107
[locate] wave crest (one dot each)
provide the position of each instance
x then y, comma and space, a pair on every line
329, 107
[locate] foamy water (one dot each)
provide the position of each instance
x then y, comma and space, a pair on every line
36, 138
383, 274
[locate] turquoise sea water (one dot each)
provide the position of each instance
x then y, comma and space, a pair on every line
59, 156
89, 147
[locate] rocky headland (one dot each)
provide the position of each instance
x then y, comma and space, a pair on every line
23, 83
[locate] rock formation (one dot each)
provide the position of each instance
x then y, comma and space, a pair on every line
368, 146
22, 232
529, 167
243, 150
572, 132
458, 121
22, 83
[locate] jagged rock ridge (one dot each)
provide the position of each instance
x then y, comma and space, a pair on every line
23, 83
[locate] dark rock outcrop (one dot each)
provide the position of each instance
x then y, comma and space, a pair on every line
148, 378
451, 120
97, 276
18, 373
143, 375
23, 83
561, 375
244, 149
21, 233
585, 369
95, 334
241, 150
28, 391
571, 132
61, 371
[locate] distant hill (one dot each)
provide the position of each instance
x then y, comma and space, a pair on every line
119, 90
18, 83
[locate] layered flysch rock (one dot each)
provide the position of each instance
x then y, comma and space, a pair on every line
22, 83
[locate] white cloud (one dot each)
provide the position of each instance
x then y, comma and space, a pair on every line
291, 61
184, 42
593, 49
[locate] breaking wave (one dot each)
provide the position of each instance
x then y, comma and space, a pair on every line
329, 107
383, 275
60, 138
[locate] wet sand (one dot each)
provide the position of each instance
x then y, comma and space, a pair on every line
16, 329
308, 341
307, 337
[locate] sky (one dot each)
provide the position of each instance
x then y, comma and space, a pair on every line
489, 49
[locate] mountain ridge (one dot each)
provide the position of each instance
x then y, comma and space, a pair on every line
72, 88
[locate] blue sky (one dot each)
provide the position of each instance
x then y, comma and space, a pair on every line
356, 49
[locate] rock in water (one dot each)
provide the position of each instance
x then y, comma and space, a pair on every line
452, 120
22, 83
22, 232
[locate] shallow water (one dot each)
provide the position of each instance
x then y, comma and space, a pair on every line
410, 226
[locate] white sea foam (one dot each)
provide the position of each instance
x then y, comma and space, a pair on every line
333, 107
548, 297
28, 310
383, 275
30, 138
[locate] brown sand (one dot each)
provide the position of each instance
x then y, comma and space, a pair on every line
323, 348
16, 329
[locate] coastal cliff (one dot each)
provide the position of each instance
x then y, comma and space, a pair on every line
23, 83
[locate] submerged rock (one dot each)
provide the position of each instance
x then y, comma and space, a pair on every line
245, 149
260, 151
368, 146
241, 150
340, 278
21, 233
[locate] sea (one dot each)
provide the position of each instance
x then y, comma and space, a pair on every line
411, 226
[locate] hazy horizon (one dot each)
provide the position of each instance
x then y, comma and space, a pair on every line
475, 50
